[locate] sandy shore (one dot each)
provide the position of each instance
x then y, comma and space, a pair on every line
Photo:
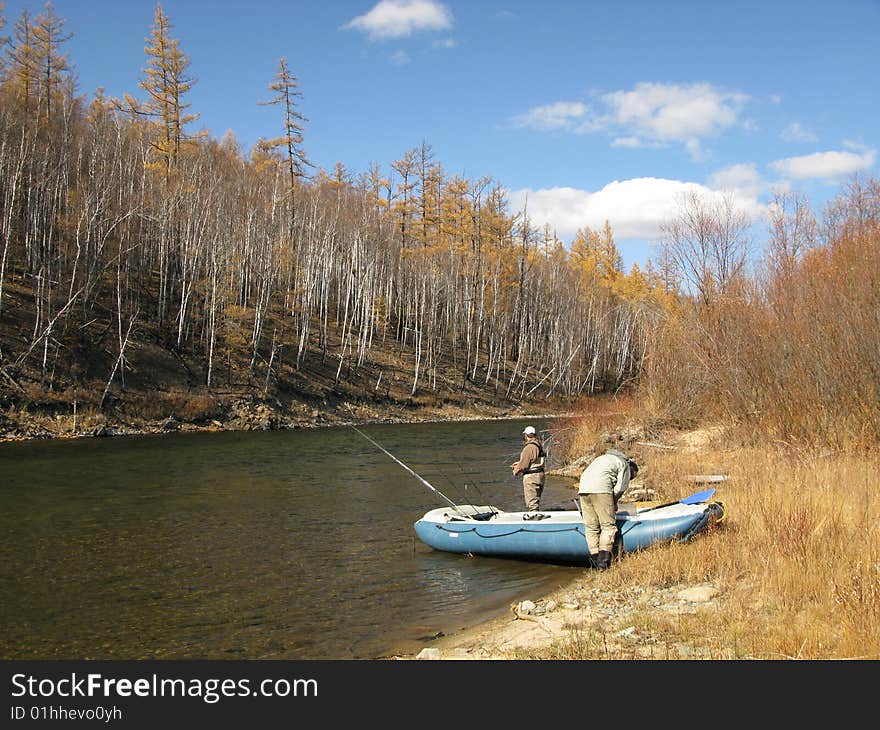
583, 611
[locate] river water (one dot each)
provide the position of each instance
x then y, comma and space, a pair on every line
257, 545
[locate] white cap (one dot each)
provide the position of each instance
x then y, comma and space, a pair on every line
530, 430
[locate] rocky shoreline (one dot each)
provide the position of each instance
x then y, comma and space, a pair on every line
253, 415
582, 612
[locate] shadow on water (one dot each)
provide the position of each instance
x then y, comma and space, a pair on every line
292, 544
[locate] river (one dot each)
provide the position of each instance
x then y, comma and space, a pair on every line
291, 544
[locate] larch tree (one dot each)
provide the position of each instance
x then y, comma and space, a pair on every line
53, 68
290, 144
22, 72
166, 82
286, 88
404, 198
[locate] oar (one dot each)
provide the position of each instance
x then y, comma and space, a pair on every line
694, 498
698, 497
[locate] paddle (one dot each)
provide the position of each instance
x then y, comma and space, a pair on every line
694, 498
697, 497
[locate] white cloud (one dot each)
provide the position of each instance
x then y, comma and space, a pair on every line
559, 115
400, 58
695, 148
633, 142
672, 112
796, 132
743, 179
635, 208
445, 43
826, 165
401, 18
655, 114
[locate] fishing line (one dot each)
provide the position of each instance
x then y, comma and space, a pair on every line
465, 475
474, 485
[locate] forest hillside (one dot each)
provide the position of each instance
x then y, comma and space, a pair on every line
153, 277
150, 273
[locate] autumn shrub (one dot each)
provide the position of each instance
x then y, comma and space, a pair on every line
791, 358
824, 387
597, 417
39, 399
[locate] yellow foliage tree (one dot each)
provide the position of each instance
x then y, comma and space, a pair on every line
3, 41
596, 259
404, 198
53, 69
166, 82
456, 220
23, 68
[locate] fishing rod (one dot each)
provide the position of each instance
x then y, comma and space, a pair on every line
417, 476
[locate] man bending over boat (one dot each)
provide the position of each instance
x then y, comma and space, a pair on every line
531, 466
601, 486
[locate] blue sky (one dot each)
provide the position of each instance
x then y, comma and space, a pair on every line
584, 110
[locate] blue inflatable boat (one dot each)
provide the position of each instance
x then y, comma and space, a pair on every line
558, 535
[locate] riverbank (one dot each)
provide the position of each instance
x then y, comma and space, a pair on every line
162, 394
85, 389
585, 611
259, 414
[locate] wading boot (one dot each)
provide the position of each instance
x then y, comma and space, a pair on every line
603, 560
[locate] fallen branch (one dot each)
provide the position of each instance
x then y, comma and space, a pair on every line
11, 379
48, 328
526, 617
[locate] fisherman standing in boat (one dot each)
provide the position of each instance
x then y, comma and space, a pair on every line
601, 486
531, 466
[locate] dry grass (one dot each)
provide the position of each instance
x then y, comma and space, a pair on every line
796, 561
189, 407
598, 417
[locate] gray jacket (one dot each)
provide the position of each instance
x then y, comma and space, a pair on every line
606, 474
